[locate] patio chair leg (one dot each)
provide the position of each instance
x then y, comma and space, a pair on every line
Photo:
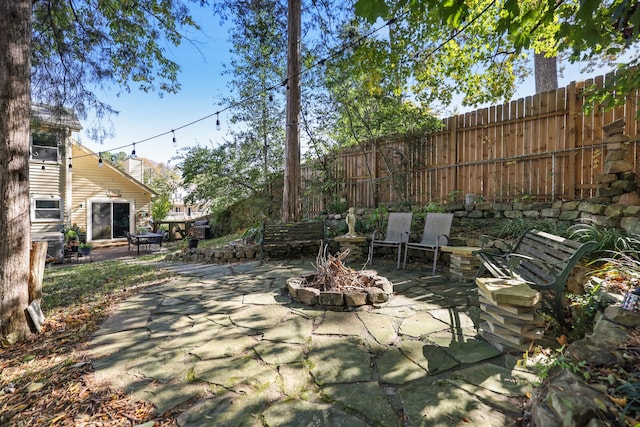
406, 249
435, 260
399, 254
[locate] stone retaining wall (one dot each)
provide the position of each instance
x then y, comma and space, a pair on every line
565, 393
228, 254
618, 215
245, 252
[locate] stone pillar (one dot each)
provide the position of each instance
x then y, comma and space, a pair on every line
618, 178
509, 320
354, 244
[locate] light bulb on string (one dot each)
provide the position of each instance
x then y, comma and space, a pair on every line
133, 153
218, 127
43, 167
175, 141
100, 164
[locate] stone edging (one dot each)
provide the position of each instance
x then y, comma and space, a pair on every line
380, 293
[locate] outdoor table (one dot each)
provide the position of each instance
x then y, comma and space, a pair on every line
145, 237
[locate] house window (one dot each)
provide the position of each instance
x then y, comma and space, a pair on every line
47, 209
44, 147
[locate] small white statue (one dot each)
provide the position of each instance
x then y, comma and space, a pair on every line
351, 223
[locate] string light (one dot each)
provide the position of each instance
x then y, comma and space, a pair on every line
283, 83
133, 153
43, 166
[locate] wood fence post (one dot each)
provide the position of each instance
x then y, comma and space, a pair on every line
453, 153
37, 260
570, 175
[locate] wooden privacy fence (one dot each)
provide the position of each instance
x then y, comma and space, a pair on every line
542, 147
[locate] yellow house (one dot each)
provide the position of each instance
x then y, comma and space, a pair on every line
67, 186
51, 131
104, 200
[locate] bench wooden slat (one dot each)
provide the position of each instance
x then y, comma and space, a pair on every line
290, 237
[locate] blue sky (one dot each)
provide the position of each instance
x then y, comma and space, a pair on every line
143, 115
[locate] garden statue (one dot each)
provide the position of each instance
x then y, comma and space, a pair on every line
351, 244
351, 223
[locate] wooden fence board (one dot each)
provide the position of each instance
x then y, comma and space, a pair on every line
543, 145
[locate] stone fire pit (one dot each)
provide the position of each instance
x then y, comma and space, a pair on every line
334, 284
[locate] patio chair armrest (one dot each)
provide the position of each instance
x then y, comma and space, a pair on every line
375, 232
446, 240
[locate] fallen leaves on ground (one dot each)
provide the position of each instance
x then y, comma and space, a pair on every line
47, 380
622, 381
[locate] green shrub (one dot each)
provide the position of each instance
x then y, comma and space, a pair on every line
421, 213
514, 228
336, 207
609, 240
375, 219
583, 310
253, 234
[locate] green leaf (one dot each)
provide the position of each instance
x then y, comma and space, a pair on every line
512, 7
371, 10
454, 12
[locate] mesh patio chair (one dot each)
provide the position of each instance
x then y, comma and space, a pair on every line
437, 227
130, 241
398, 229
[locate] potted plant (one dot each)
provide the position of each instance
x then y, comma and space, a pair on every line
192, 239
85, 248
71, 238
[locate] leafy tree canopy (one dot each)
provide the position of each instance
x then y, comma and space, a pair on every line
79, 48
220, 175
240, 167
479, 46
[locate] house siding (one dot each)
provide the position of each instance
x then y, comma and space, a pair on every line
51, 182
45, 184
91, 183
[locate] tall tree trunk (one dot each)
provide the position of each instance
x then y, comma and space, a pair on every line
15, 234
546, 71
291, 192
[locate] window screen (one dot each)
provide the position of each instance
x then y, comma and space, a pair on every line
47, 209
44, 147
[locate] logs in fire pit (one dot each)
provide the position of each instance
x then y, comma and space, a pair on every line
335, 284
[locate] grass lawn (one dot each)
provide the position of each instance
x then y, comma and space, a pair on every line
46, 379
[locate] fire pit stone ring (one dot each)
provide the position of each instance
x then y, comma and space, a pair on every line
370, 289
